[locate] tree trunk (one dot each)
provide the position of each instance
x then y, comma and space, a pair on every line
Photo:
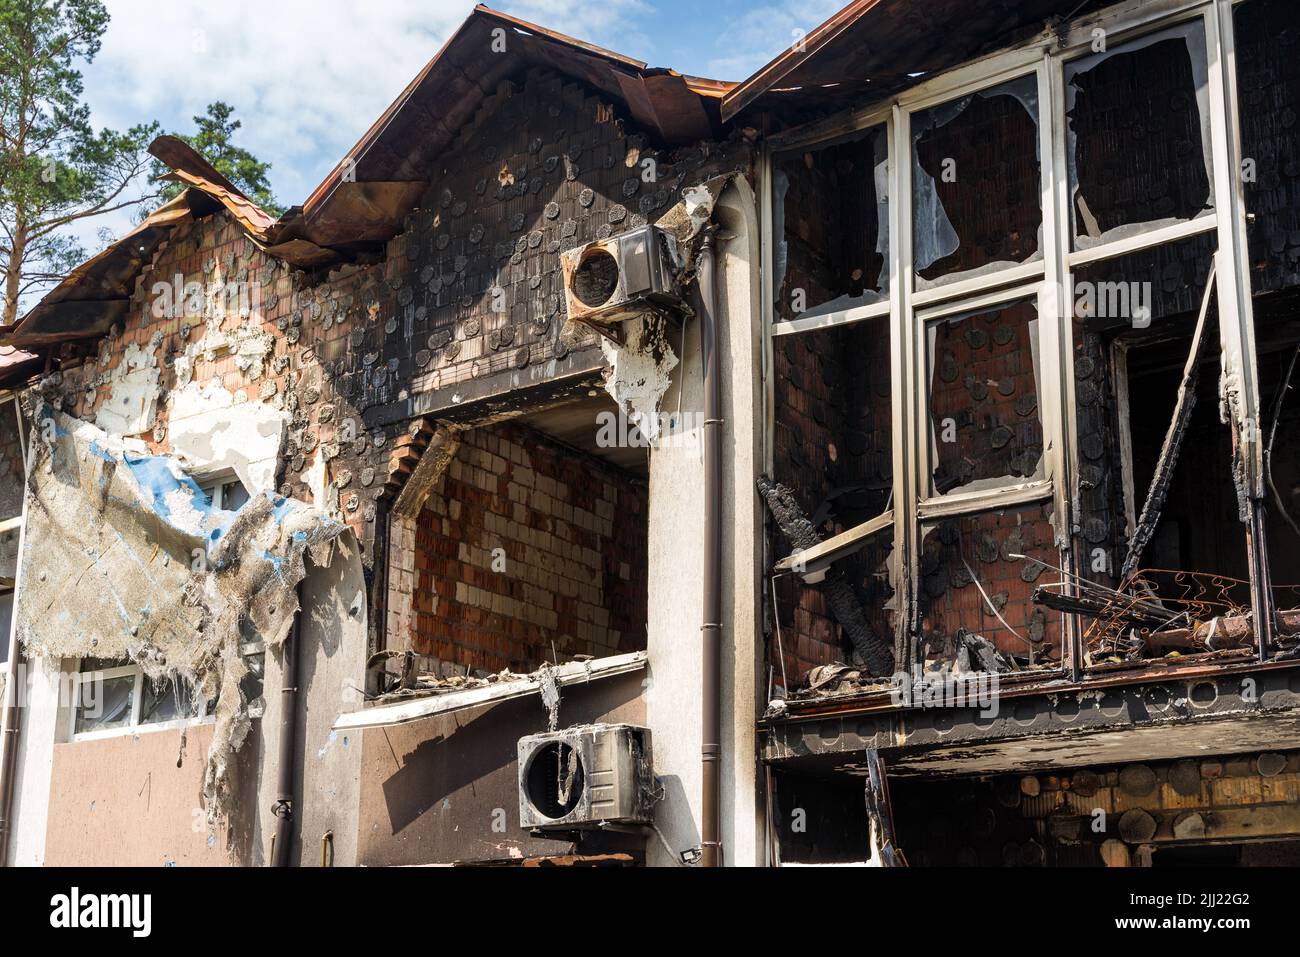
14, 275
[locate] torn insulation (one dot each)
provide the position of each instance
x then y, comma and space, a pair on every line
127, 559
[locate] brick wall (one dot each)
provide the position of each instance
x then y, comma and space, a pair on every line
956, 552
273, 352
523, 544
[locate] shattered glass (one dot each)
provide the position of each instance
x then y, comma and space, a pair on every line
831, 219
1138, 136
104, 703
976, 184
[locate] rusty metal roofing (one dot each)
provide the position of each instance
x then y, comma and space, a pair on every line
16, 365
874, 48
193, 170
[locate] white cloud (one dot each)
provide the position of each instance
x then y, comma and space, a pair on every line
760, 34
306, 79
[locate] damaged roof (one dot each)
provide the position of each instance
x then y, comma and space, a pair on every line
16, 365
874, 48
97, 293
365, 199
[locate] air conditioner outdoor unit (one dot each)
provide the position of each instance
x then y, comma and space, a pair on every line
585, 777
627, 275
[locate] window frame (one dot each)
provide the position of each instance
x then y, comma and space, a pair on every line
214, 486
1050, 277
18, 523
78, 677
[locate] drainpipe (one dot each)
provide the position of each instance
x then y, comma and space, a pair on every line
283, 807
9, 751
711, 630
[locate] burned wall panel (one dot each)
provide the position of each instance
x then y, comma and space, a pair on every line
544, 166
1268, 79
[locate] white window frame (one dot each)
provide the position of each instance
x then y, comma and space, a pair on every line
18, 522
1049, 277
135, 726
215, 484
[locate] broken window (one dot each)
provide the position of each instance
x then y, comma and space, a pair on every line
1268, 90
834, 456
225, 492
1138, 136
834, 423
1160, 517
975, 595
113, 696
830, 209
989, 425
985, 428
106, 696
977, 188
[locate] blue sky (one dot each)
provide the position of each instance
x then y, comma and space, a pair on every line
308, 78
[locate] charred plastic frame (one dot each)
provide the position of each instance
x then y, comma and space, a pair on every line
1051, 79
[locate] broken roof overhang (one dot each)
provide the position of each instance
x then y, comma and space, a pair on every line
874, 48
97, 293
16, 365
365, 198
569, 673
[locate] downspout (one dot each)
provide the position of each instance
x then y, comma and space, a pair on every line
283, 807
9, 755
711, 629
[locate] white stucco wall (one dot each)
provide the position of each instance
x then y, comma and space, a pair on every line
39, 730
676, 565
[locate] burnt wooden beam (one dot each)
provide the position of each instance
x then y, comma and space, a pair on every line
1177, 432
880, 812
800, 532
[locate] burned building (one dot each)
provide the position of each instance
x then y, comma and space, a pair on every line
605, 465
